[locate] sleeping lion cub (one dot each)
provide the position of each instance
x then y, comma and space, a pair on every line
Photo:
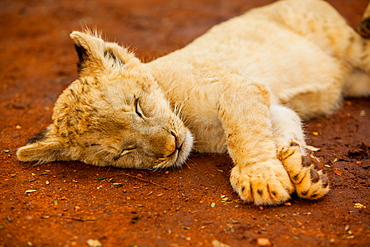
242, 88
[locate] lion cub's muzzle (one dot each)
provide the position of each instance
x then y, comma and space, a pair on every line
172, 149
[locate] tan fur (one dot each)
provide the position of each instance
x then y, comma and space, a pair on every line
241, 88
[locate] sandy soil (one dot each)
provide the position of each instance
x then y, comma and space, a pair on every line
68, 204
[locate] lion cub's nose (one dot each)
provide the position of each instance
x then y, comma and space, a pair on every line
170, 145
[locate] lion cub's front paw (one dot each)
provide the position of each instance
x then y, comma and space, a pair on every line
264, 183
305, 171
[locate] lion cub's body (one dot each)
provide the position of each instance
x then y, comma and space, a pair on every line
240, 88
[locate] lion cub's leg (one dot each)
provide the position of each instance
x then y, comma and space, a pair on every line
258, 175
305, 170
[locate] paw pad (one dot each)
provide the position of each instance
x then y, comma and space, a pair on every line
315, 177
306, 171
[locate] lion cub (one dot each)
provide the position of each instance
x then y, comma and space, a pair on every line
242, 88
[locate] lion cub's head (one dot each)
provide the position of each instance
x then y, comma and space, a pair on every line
114, 114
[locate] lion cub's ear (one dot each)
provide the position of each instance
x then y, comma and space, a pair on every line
44, 147
96, 55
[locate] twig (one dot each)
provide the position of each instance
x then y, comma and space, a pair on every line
80, 219
144, 180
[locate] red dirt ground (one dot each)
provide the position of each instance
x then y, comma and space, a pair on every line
69, 203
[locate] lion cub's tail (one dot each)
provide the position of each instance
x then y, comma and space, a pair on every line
364, 26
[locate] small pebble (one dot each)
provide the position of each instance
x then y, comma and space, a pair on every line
263, 242
359, 205
216, 243
94, 243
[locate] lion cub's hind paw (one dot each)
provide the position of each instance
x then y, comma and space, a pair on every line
306, 172
262, 184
